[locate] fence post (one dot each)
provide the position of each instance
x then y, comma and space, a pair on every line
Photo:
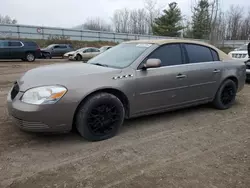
99, 36
18, 31
43, 32
114, 37
81, 34
63, 33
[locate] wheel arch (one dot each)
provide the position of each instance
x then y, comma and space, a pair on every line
234, 79
116, 92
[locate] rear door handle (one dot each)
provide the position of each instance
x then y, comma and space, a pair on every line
181, 76
216, 71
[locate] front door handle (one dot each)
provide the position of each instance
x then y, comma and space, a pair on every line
216, 71
181, 76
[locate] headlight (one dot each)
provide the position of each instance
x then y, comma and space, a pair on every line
44, 95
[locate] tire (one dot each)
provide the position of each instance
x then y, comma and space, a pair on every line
93, 121
30, 57
225, 96
78, 57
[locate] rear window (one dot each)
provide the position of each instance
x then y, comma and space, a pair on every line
198, 53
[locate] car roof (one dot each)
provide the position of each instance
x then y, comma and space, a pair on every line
222, 55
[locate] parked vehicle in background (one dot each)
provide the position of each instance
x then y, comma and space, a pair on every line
104, 48
69, 54
19, 49
132, 79
240, 53
85, 54
57, 50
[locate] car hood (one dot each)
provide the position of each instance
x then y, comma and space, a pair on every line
239, 52
62, 74
70, 53
45, 49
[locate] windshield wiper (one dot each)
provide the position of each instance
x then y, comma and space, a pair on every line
99, 64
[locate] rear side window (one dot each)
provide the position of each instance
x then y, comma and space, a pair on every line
215, 55
15, 44
198, 53
169, 54
33, 44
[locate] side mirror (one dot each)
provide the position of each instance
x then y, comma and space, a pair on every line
152, 63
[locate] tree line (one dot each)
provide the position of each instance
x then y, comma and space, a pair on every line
207, 21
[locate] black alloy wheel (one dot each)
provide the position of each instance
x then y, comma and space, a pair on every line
100, 117
226, 94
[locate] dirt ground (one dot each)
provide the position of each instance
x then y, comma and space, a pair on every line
195, 147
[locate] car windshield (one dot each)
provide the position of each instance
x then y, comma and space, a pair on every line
50, 46
81, 49
121, 55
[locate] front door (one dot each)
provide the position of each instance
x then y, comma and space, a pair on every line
163, 87
4, 50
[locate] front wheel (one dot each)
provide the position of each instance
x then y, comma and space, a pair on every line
100, 117
225, 96
78, 57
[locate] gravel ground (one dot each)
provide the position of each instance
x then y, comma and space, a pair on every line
195, 147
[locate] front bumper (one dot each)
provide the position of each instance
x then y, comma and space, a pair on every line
72, 57
39, 118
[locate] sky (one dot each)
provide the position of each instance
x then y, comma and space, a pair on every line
70, 13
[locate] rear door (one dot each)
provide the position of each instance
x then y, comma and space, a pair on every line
61, 50
16, 49
94, 52
203, 72
4, 50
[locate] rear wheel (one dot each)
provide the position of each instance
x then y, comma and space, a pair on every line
30, 57
225, 96
100, 117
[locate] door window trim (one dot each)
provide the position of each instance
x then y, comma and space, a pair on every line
183, 58
22, 45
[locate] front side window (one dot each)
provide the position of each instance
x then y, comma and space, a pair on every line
94, 50
121, 55
169, 54
62, 46
198, 53
88, 50
15, 44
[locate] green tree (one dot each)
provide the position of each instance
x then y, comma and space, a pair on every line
169, 24
201, 20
